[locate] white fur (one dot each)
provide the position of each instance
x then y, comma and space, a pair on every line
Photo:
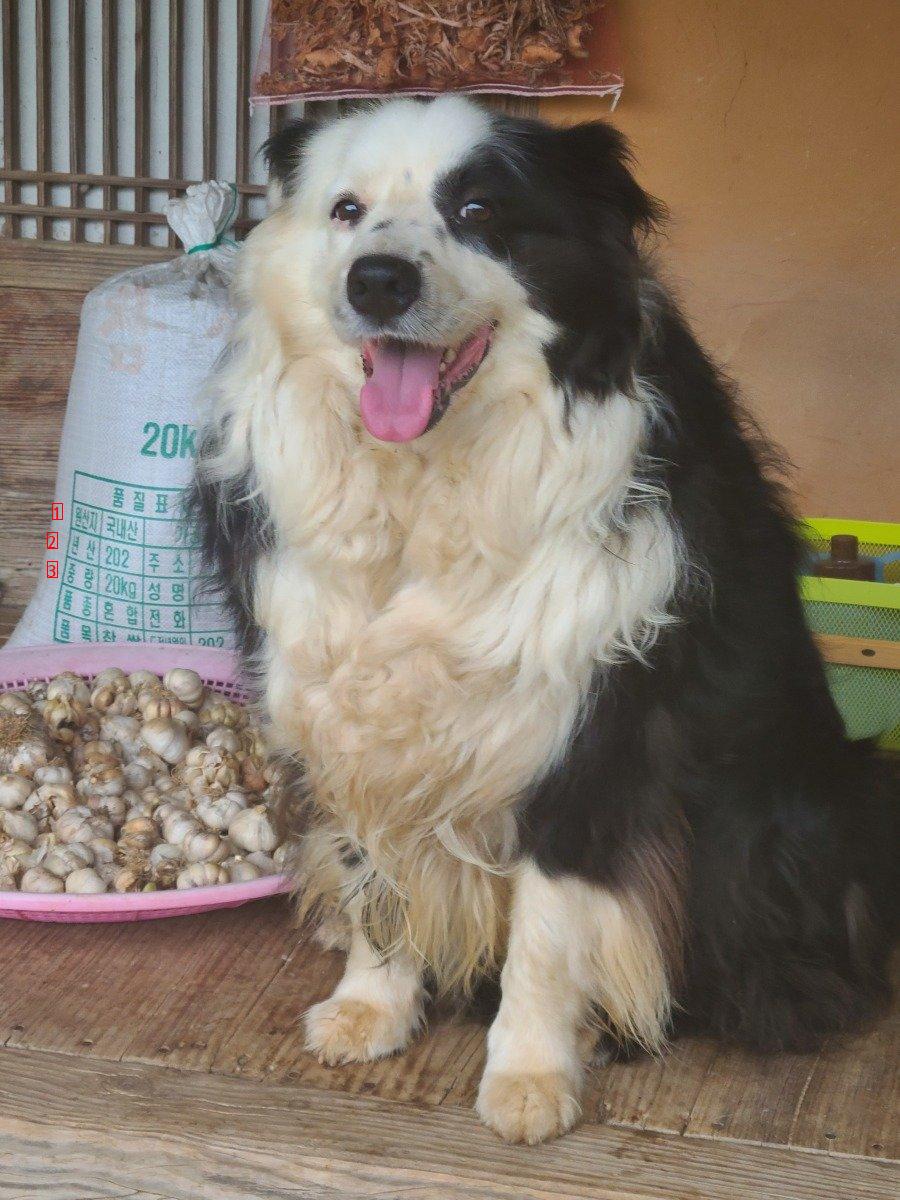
572, 947
434, 612
373, 1012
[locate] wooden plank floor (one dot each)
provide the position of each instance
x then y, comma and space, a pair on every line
163, 1061
180, 1039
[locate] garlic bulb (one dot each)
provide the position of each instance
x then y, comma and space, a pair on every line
201, 874
167, 738
101, 779
139, 679
137, 774
113, 808
110, 677
63, 860
241, 870
169, 808
52, 774
209, 772
46, 840
18, 825
60, 796
108, 871
186, 685
38, 808
161, 706
165, 852
216, 710
264, 862
253, 830
78, 824
14, 790
165, 785
104, 850
166, 862
189, 719
7, 881
206, 847
217, 812
64, 716
32, 752
114, 696
124, 732
127, 880
223, 738
36, 879
85, 881
15, 855
68, 685
139, 833
140, 808
179, 826
94, 753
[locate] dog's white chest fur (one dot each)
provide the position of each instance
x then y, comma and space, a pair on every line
434, 617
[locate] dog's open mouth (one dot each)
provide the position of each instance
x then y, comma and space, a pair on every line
408, 385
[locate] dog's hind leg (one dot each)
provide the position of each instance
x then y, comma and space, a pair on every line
573, 947
374, 1011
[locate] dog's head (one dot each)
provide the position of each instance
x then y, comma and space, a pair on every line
433, 237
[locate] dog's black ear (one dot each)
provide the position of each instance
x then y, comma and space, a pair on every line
282, 153
599, 165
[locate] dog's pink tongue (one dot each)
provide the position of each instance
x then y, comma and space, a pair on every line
397, 398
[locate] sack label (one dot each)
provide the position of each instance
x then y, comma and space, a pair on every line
130, 569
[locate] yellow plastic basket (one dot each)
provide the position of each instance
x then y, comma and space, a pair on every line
857, 627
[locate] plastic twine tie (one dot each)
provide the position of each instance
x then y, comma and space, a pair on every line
220, 239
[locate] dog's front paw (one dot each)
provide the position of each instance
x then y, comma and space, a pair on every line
345, 1031
528, 1108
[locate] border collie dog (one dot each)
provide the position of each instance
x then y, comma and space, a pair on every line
519, 595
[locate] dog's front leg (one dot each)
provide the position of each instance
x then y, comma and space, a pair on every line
537, 1046
374, 1011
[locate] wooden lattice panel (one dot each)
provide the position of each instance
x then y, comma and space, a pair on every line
118, 202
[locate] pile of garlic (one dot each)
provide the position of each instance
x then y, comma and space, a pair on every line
131, 783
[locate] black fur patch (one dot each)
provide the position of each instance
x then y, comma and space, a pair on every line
283, 150
729, 736
235, 529
566, 215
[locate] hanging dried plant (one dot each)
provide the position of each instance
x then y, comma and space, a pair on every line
383, 45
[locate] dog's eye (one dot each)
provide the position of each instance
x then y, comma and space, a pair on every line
475, 212
348, 211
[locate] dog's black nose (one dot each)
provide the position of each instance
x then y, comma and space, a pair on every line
382, 286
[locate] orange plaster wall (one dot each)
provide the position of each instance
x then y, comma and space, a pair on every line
771, 128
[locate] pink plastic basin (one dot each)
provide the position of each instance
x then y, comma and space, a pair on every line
218, 669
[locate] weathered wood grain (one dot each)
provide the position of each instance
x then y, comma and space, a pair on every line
219, 1138
224, 993
67, 266
38, 332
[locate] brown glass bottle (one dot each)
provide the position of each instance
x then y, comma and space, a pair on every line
844, 562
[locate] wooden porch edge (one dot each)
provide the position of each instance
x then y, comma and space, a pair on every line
72, 1123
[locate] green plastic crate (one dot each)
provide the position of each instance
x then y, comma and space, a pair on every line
868, 697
